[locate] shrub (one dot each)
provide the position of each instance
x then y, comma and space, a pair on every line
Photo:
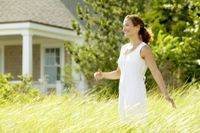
17, 92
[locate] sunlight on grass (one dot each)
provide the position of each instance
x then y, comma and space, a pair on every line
75, 113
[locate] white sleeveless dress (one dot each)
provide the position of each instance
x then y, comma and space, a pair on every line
132, 90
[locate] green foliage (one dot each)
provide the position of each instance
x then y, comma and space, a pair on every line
67, 78
173, 16
17, 92
175, 24
177, 33
175, 58
5, 90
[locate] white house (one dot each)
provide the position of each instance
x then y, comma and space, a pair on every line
32, 35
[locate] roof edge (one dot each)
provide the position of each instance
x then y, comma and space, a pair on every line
8, 22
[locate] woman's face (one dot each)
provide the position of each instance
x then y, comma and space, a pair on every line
129, 29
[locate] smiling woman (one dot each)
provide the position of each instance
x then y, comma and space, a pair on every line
135, 57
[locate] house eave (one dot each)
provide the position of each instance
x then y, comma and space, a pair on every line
31, 21
38, 29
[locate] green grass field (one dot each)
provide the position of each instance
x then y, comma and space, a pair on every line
75, 113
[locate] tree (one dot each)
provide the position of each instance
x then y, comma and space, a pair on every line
179, 21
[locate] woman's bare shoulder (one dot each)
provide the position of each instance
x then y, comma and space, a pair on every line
146, 50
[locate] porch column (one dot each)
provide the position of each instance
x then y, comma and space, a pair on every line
27, 53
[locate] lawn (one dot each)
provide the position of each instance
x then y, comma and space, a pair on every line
76, 113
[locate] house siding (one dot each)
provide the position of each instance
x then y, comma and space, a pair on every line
67, 57
13, 61
36, 62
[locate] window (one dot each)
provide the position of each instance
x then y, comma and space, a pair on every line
52, 65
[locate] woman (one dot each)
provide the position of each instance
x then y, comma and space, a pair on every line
133, 61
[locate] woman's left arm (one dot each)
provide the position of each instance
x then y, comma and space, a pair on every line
147, 55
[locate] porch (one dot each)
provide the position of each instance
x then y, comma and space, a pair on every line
37, 50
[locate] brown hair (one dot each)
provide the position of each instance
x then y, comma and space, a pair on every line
145, 33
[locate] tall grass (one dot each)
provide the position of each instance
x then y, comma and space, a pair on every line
75, 113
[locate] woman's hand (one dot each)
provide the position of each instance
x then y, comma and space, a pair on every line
98, 75
169, 99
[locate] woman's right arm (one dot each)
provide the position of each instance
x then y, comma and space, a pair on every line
108, 75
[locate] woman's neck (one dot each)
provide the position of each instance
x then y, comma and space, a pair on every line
135, 41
